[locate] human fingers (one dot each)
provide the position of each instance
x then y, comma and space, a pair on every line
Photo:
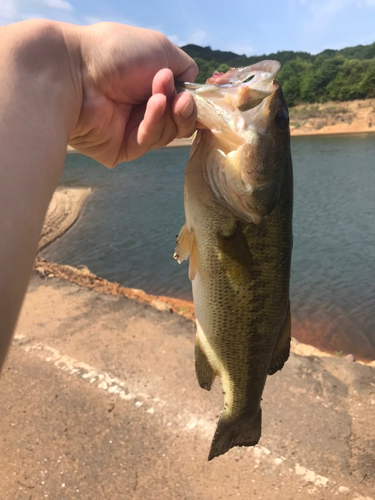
152, 124
166, 117
184, 113
181, 121
149, 132
163, 83
183, 66
121, 61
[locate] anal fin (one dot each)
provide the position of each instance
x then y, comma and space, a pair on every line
242, 431
282, 349
205, 373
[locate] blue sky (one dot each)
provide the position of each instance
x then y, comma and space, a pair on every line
245, 27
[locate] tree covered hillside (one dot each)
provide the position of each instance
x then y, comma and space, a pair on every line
338, 75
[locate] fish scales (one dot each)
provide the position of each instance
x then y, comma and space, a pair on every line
238, 236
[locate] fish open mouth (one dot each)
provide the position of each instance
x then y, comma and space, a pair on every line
240, 88
238, 110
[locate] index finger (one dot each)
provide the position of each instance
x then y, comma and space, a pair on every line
182, 65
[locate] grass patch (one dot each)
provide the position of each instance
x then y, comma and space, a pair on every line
307, 112
333, 110
313, 111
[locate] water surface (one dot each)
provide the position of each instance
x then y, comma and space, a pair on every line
127, 231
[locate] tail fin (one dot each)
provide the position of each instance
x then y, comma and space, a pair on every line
243, 431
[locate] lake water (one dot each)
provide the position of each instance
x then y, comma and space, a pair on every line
126, 233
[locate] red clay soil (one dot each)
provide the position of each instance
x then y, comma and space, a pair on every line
83, 277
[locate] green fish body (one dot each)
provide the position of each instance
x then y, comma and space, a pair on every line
238, 237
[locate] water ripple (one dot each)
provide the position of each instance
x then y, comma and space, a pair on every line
127, 233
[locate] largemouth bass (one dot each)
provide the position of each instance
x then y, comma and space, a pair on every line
238, 237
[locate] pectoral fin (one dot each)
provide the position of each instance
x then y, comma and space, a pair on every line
182, 249
236, 248
193, 259
186, 246
282, 349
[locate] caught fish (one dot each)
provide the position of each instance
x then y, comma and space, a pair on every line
238, 238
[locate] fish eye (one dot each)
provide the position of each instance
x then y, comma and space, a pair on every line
282, 119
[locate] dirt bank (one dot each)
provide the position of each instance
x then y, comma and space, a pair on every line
65, 206
351, 117
63, 211
83, 277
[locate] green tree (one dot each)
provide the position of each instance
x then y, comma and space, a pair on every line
290, 78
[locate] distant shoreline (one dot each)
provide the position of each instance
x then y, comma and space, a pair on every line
306, 130
329, 118
294, 133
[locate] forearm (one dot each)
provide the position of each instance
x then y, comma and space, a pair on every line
39, 106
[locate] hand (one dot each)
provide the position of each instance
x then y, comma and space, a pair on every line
108, 89
129, 101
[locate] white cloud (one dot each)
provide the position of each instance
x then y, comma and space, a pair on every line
59, 4
106, 19
176, 40
323, 12
8, 10
12, 11
200, 37
196, 37
239, 47
328, 8
324, 18
92, 20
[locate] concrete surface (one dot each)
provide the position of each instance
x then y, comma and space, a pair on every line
99, 401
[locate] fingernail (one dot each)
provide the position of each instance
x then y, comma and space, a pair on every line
188, 110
